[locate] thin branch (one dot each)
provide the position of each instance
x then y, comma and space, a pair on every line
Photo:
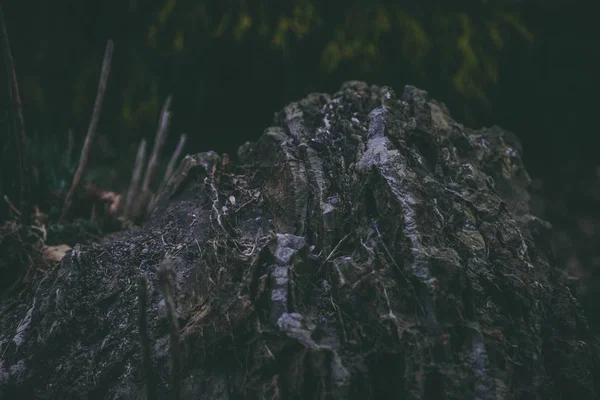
165, 272
89, 138
145, 340
17, 113
134, 186
174, 158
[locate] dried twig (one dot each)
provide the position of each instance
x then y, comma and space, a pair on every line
144, 339
165, 275
144, 198
333, 252
18, 122
134, 186
159, 141
174, 157
11, 206
87, 145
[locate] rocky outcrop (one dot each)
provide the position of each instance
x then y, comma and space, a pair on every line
366, 246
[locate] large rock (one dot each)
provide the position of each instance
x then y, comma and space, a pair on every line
365, 247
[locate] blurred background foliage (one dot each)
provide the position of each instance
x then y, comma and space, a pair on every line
528, 66
249, 56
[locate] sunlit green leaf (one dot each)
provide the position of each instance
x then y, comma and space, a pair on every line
280, 37
244, 23
166, 11
513, 20
331, 56
415, 41
495, 35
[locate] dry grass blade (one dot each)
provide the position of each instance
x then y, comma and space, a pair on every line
159, 142
337, 246
136, 178
174, 157
16, 113
145, 197
89, 138
11, 206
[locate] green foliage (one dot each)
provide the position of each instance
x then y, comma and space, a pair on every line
480, 46
466, 45
297, 23
455, 50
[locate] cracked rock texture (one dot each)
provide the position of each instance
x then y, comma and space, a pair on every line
367, 246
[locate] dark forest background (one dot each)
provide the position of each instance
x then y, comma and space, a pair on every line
529, 66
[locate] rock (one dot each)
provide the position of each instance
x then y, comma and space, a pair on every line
376, 248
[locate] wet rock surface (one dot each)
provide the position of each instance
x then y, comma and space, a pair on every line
367, 246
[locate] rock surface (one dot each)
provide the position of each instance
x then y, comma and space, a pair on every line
367, 247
